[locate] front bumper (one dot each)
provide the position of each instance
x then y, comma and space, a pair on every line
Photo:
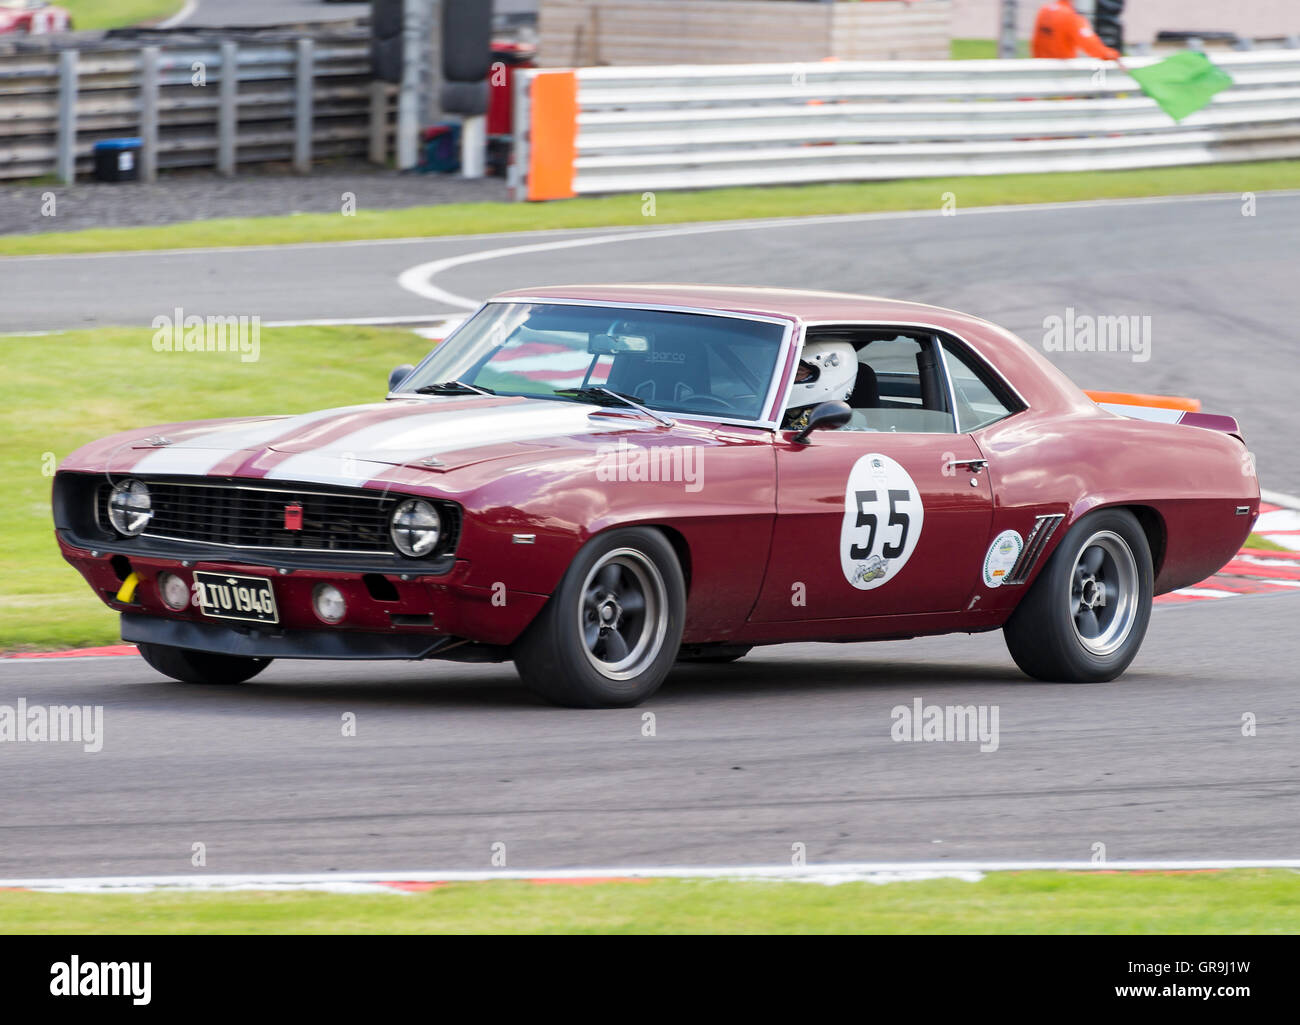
389, 615
263, 642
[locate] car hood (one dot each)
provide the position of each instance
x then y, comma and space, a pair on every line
352, 444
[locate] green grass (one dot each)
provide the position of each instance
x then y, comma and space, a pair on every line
62, 391
1257, 541
88, 14
982, 49
671, 208
1247, 901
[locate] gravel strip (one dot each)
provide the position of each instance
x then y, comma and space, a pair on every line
191, 196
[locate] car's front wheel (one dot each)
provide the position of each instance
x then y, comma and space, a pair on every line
1084, 619
609, 634
201, 666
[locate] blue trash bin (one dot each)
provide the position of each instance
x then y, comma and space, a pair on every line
117, 160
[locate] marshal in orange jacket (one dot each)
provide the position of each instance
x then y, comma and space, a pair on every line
1062, 32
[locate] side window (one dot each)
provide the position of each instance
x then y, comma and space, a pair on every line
900, 386
978, 403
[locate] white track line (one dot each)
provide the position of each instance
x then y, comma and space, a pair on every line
419, 320
1279, 498
842, 872
416, 321
891, 215
183, 15
419, 279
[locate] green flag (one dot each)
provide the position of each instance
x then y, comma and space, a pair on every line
1183, 84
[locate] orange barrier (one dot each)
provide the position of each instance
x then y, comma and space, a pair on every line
1117, 398
553, 134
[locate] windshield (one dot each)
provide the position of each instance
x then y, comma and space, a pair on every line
710, 364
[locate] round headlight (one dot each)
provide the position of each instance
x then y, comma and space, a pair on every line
130, 508
416, 527
328, 603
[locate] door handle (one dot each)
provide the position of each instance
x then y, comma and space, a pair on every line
975, 465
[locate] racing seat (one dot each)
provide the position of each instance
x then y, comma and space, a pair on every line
866, 390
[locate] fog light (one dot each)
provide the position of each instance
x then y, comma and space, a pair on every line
175, 592
328, 602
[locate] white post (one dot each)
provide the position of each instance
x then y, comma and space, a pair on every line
228, 109
1009, 30
520, 116
66, 159
149, 114
303, 112
473, 146
408, 98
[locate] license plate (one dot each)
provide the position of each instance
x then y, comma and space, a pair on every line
223, 596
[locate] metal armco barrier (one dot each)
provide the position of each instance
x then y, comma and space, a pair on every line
299, 101
626, 129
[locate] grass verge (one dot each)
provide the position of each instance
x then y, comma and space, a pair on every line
95, 14
670, 208
1245, 901
61, 391
982, 49
1257, 541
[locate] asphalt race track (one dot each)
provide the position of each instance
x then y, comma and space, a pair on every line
1223, 308
791, 745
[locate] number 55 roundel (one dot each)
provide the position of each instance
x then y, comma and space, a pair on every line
883, 515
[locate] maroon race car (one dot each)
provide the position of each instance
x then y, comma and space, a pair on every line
598, 481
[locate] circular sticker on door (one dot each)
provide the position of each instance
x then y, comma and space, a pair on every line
883, 515
1002, 555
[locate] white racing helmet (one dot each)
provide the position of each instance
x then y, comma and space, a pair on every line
827, 372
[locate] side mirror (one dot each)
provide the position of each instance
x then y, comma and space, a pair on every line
399, 375
825, 417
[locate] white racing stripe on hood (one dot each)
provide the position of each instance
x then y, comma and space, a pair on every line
199, 454
358, 457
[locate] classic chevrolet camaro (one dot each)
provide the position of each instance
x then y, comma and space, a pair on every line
599, 481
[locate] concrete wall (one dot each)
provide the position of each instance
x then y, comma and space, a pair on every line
979, 19
592, 32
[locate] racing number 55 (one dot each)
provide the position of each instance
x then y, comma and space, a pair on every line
897, 518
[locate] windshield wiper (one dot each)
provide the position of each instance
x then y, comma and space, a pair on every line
453, 388
601, 396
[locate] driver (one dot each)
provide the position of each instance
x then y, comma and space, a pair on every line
827, 372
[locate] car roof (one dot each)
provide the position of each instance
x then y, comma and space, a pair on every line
1028, 371
789, 303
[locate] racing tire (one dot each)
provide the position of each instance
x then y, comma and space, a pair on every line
610, 633
201, 666
1084, 619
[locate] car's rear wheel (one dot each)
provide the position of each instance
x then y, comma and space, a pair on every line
1084, 619
189, 666
609, 634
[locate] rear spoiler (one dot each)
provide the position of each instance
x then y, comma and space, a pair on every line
1165, 409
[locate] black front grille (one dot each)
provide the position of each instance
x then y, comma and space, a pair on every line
253, 516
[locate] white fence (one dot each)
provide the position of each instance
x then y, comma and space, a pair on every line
686, 126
